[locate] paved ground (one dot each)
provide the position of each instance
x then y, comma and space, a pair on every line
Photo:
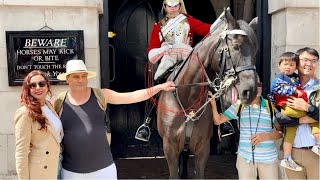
218, 167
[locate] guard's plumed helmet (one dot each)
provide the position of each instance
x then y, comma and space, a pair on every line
173, 3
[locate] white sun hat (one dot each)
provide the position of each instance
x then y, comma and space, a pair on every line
75, 66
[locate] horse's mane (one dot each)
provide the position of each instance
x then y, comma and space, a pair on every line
251, 34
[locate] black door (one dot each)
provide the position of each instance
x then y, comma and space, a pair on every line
132, 21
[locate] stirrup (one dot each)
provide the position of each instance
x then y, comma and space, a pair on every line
222, 133
143, 126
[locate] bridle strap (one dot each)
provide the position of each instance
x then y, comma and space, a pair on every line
247, 67
225, 54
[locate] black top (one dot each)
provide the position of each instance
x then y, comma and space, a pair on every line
85, 144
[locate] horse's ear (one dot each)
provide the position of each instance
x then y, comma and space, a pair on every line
232, 23
254, 24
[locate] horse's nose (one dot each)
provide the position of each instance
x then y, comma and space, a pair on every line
246, 94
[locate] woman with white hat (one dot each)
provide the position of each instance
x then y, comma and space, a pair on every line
171, 40
86, 153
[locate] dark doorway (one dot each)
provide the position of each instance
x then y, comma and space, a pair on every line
132, 21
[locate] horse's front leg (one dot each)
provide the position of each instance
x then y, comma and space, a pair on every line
201, 157
172, 155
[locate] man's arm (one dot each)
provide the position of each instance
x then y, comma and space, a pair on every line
306, 120
260, 137
114, 97
313, 112
154, 40
199, 28
217, 118
302, 105
284, 120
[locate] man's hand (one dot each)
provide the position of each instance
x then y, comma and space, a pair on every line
213, 99
211, 95
298, 103
168, 86
299, 93
256, 139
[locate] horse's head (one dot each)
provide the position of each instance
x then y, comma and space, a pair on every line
235, 52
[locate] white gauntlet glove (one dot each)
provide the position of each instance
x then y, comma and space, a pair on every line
156, 54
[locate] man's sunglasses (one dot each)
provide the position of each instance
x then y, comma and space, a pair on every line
40, 84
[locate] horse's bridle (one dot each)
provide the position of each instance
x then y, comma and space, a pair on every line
225, 55
226, 77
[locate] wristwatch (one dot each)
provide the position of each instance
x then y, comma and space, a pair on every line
311, 109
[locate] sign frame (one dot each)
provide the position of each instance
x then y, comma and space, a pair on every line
62, 41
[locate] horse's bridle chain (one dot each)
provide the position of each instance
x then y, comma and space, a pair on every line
223, 85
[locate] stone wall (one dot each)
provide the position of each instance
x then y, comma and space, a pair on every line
295, 24
20, 15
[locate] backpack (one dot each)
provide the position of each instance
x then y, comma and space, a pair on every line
101, 101
270, 109
268, 104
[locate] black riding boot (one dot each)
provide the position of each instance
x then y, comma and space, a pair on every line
143, 132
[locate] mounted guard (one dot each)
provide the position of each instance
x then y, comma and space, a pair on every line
171, 41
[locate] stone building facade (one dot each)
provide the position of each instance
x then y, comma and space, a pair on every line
32, 15
295, 24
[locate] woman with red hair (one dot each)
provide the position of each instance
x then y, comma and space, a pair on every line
38, 130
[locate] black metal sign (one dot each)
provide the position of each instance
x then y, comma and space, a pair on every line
48, 51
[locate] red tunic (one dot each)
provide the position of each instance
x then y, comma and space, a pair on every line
196, 27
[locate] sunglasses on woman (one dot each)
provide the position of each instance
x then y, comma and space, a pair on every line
36, 84
259, 84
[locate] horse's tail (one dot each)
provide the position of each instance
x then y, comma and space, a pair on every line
183, 164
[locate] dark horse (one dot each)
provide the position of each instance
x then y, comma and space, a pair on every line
175, 110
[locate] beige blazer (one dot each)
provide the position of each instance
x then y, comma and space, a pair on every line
37, 151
